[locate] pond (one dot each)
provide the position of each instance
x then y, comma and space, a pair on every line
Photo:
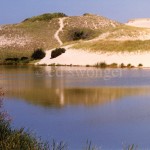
109, 107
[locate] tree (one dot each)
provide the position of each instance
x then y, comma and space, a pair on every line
38, 54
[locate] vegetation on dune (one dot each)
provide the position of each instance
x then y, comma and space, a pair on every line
5, 54
22, 39
91, 25
126, 31
16, 61
23, 59
122, 65
114, 65
81, 34
75, 34
101, 65
115, 46
38, 54
46, 17
57, 52
140, 65
19, 40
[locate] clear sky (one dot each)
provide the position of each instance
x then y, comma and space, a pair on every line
14, 11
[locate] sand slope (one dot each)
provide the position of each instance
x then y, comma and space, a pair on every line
81, 57
143, 22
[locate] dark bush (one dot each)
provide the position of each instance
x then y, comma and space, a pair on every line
38, 54
129, 66
57, 52
122, 65
24, 58
101, 65
12, 59
16, 61
80, 34
87, 14
140, 65
114, 65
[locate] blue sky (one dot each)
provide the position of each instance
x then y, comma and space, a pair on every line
14, 11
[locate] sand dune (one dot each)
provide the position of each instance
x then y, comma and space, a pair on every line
82, 57
143, 22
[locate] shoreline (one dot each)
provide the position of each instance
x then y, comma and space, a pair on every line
61, 65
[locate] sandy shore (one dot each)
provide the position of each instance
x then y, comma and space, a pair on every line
81, 57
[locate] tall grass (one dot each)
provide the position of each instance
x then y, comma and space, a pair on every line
17, 139
115, 46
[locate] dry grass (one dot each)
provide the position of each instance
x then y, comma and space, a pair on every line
124, 32
115, 46
91, 23
21, 39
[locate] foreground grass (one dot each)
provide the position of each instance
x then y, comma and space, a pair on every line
17, 139
115, 46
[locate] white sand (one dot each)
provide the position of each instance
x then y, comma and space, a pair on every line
80, 57
143, 22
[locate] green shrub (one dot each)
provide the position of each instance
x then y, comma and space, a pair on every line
78, 35
16, 61
140, 65
113, 65
38, 54
101, 65
57, 52
87, 65
129, 66
45, 17
81, 34
11, 61
24, 58
12, 139
87, 14
122, 65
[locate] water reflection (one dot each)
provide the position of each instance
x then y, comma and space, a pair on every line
36, 86
120, 114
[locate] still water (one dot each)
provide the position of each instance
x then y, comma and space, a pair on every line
110, 107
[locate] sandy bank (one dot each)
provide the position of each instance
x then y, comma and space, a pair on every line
81, 57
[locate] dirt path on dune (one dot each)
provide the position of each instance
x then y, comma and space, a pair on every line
61, 23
